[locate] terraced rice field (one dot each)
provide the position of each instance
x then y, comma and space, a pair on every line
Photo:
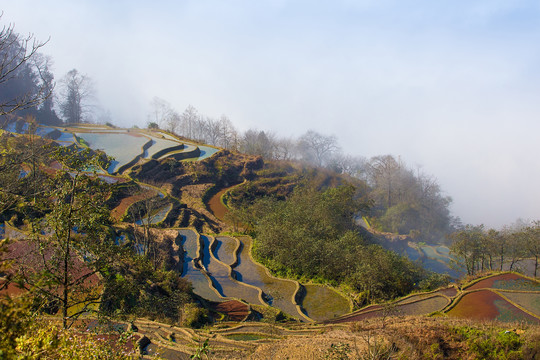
412, 253
201, 284
225, 249
43, 130
529, 301
233, 309
156, 217
322, 303
190, 151
66, 137
279, 292
510, 281
158, 144
246, 337
422, 307
443, 250
362, 315
215, 205
123, 147
125, 203
450, 292
432, 253
221, 279
409, 306
501, 297
487, 305
206, 152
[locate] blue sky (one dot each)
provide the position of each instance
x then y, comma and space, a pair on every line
452, 86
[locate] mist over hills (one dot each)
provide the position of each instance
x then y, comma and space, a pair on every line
449, 88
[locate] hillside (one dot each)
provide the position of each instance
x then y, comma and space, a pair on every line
147, 233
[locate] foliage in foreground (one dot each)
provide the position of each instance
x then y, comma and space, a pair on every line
39, 339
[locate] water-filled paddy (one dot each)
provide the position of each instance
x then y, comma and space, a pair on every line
123, 147
189, 149
200, 283
432, 254
529, 301
206, 152
109, 179
43, 130
225, 249
422, 307
11, 127
280, 291
322, 303
226, 286
443, 250
156, 217
66, 137
158, 144
412, 253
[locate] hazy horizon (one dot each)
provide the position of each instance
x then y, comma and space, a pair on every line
449, 86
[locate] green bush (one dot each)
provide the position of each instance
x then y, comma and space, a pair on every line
489, 344
194, 316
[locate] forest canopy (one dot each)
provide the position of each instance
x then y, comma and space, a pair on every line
313, 234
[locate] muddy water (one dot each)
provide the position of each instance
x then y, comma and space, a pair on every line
215, 205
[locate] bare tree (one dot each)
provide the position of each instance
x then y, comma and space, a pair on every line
256, 142
284, 149
189, 118
384, 175
77, 91
212, 131
16, 53
317, 148
228, 134
160, 113
354, 166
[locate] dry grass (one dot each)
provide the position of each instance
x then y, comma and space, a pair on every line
402, 338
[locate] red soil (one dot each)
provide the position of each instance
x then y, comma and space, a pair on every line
215, 205
450, 292
26, 257
234, 309
489, 282
480, 305
125, 203
369, 312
